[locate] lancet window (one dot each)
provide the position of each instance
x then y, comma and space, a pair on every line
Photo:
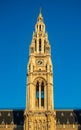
37, 94
40, 94
40, 27
39, 45
35, 45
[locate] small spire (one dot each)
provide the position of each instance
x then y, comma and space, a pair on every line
40, 10
40, 15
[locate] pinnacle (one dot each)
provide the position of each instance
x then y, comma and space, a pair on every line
40, 17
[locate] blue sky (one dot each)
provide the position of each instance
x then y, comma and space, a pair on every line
63, 24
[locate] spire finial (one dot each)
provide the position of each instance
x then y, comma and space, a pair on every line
40, 17
40, 10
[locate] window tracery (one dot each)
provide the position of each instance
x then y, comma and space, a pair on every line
37, 94
40, 94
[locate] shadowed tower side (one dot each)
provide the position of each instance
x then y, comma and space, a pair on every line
39, 112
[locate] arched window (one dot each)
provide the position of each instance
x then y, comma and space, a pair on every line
37, 90
42, 94
37, 94
39, 45
40, 27
35, 45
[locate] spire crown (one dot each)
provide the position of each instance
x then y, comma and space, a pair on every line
40, 17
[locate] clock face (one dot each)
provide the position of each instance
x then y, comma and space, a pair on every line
40, 62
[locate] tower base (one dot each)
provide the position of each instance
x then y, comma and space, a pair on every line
40, 120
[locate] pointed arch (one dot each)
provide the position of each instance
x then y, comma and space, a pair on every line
37, 94
39, 27
44, 45
42, 94
37, 90
35, 45
40, 87
39, 45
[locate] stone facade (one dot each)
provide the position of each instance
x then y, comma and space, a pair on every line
39, 113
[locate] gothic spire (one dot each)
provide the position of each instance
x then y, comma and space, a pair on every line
40, 17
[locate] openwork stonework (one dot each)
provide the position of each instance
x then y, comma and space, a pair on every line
39, 113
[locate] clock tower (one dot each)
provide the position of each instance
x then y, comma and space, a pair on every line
39, 113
